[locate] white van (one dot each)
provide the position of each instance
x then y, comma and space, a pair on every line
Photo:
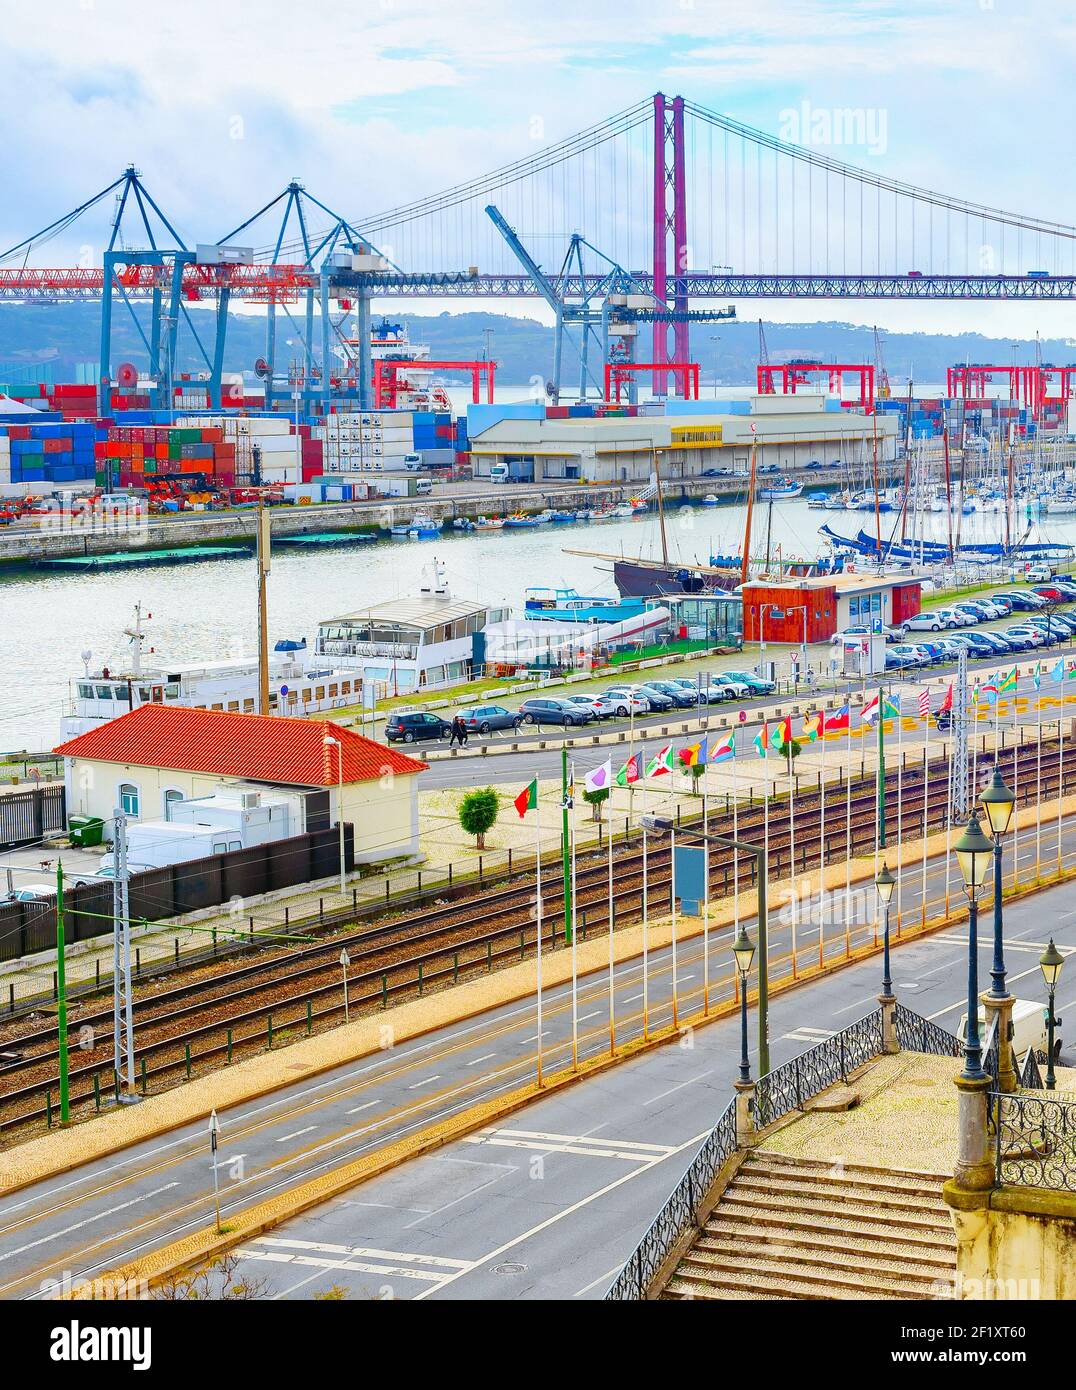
1029, 1028
423, 487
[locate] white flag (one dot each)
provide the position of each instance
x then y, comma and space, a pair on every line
600, 779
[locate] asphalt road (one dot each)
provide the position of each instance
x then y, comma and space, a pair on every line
112, 1210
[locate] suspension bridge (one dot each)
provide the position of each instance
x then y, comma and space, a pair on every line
633, 226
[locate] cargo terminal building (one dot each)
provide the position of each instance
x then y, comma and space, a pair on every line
790, 432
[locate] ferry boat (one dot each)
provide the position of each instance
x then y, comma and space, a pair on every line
103, 692
428, 641
569, 606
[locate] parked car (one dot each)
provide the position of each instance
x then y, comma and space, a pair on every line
657, 699
955, 618
756, 685
731, 683
413, 727
1038, 574
1027, 634
627, 700
1050, 592
813, 465
934, 650
554, 712
699, 693
849, 634
680, 697
907, 655
1000, 643
1022, 602
29, 893
484, 718
928, 622
599, 706
976, 610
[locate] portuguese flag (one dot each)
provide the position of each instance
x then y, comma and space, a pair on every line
527, 800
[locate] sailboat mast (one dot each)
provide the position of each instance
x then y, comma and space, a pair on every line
661, 509
750, 510
948, 489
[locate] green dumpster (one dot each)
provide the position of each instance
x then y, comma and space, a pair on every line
86, 831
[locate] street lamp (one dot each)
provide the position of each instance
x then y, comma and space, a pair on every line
973, 853
1050, 963
998, 801
335, 742
884, 885
743, 948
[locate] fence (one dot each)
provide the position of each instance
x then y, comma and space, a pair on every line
784, 1089
26, 817
175, 889
1036, 1141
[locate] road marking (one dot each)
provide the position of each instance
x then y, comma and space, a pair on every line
485, 1058
367, 1252
426, 1081
356, 1108
587, 1145
810, 1035
679, 1087
295, 1134
78, 1225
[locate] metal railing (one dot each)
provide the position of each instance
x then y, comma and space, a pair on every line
678, 1214
1035, 1141
784, 1089
918, 1034
1030, 1078
787, 1087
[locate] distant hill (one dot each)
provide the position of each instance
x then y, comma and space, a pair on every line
57, 337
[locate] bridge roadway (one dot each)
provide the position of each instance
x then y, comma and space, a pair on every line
112, 1210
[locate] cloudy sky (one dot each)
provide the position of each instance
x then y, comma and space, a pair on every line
374, 104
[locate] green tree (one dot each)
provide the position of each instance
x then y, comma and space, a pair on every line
478, 813
696, 773
595, 800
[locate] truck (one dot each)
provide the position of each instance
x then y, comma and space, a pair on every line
1028, 1025
512, 471
154, 844
206, 825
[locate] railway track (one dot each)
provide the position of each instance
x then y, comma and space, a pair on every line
215, 1016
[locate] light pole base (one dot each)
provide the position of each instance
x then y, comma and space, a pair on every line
1002, 1009
974, 1169
888, 1003
745, 1120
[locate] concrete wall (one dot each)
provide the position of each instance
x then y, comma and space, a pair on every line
1022, 1245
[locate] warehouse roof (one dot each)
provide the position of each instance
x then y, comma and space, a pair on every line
258, 748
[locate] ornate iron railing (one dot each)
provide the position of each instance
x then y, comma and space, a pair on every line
679, 1212
991, 1058
1030, 1076
1036, 1142
918, 1034
787, 1087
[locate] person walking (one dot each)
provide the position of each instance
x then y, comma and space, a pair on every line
459, 733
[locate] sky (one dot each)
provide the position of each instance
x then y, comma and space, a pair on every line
372, 105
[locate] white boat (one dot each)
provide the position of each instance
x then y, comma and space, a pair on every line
710, 500
779, 491
489, 523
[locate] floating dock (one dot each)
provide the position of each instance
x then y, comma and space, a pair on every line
130, 558
321, 540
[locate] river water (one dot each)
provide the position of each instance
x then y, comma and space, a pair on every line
208, 609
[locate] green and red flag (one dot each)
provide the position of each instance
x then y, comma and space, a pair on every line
1009, 682
813, 725
762, 740
527, 800
781, 735
630, 772
661, 762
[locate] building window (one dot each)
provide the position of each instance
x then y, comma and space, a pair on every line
171, 796
129, 798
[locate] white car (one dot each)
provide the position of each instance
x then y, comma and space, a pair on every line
927, 622
30, 893
850, 634
1028, 634
1038, 574
626, 701
734, 689
955, 618
600, 706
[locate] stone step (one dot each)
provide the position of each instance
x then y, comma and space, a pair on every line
885, 1259
747, 1283
832, 1215
927, 1185
779, 1192
938, 1253
776, 1273
682, 1290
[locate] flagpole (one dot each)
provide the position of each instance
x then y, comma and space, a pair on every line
646, 946
538, 883
926, 818
900, 794
575, 975
705, 898
949, 820
1060, 767
1017, 735
792, 847
612, 1012
822, 839
1038, 779
672, 861
735, 864
848, 839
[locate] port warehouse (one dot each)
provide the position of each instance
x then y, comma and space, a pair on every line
789, 432
832, 603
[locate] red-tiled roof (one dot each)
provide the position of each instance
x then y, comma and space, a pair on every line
260, 748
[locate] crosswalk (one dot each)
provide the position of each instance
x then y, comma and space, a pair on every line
588, 1145
394, 1264
808, 1035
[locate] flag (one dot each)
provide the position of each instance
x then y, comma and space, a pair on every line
661, 762
813, 726
924, 704
975, 692
1058, 672
1009, 683
781, 735
569, 793
527, 800
1036, 675
630, 772
695, 754
761, 740
947, 703
839, 719
872, 711
988, 692
599, 778
724, 749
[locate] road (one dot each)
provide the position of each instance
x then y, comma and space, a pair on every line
111, 1211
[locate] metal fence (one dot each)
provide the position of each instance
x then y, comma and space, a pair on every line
1030, 1076
787, 1087
679, 1214
1036, 1141
168, 892
918, 1034
26, 817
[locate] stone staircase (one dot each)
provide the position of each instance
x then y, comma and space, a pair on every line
798, 1228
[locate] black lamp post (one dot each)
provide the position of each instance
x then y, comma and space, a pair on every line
1050, 963
973, 853
999, 802
743, 948
885, 883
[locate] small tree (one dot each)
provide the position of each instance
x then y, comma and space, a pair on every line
595, 800
695, 771
478, 813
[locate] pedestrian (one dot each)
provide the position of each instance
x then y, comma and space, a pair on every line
458, 734
464, 732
